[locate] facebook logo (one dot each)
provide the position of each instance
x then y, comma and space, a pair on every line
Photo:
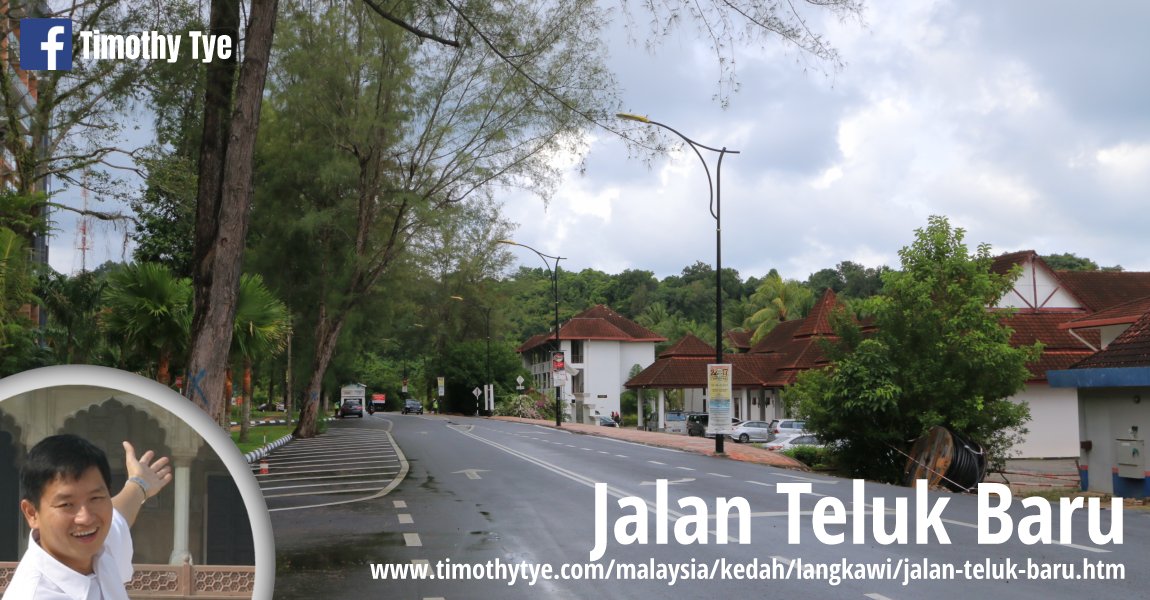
46, 44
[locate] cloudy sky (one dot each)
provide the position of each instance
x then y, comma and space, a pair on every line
1026, 123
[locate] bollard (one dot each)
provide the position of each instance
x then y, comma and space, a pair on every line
263, 467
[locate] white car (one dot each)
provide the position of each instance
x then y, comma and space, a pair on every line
751, 431
787, 442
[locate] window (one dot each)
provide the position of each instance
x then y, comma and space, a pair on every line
577, 351
577, 383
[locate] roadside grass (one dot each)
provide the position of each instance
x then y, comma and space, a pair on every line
260, 436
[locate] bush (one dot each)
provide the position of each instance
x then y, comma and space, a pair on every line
814, 457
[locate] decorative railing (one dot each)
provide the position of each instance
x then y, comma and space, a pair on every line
203, 582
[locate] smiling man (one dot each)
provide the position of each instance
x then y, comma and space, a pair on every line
80, 547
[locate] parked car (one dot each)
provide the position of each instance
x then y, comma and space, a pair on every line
784, 426
751, 431
412, 406
350, 408
607, 422
271, 407
697, 424
792, 440
675, 422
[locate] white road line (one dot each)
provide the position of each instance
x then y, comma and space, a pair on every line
718, 475
405, 519
412, 539
761, 483
603, 452
312, 485
874, 596
620, 456
685, 468
810, 479
399, 503
655, 462
377, 493
315, 477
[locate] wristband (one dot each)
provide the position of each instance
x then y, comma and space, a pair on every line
143, 487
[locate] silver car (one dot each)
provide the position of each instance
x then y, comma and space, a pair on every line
751, 431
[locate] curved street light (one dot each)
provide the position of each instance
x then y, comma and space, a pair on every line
555, 291
714, 191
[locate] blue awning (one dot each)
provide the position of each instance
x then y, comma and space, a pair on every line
1100, 378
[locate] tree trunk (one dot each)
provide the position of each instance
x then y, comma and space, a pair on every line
327, 334
246, 400
221, 227
163, 371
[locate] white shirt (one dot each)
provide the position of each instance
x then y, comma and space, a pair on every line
41, 577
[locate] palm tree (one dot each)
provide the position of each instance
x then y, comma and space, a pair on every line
779, 301
149, 308
261, 329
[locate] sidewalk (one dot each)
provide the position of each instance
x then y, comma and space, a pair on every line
699, 445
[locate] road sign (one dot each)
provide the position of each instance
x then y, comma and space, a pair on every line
519, 380
557, 361
441, 385
476, 391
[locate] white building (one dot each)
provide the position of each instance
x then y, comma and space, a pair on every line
601, 347
1047, 305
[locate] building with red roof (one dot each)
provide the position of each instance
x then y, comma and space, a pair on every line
759, 374
1113, 391
1073, 314
600, 348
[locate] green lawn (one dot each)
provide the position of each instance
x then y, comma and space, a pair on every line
258, 437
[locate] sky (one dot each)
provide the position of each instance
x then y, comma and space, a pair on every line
1025, 123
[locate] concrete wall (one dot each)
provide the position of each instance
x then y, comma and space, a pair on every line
1106, 415
1053, 422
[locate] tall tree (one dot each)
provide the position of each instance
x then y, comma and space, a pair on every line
149, 308
261, 331
525, 38
939, 357
777, 300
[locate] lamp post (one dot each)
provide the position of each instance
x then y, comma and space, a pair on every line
714, 191
487, 319
555, 291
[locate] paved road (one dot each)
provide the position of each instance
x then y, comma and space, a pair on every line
478, 490
355, 461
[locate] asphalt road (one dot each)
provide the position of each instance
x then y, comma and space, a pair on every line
465, 491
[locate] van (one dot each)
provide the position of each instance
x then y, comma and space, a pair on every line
697, 424
675, 422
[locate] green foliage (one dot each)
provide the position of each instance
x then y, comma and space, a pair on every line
815, 457
525, 406
777, 301
149, 311
1072, 262
939, 357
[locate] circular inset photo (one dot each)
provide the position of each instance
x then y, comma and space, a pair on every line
108, 478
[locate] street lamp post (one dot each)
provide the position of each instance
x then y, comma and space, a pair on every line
715, 203
555, 292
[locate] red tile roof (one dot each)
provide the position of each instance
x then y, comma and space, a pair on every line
1047, 328
1130, 349
1122, 314
777, 338
740, 340
689, 345
596, 323
1101, 290
691, 372
818, 321
1003, 263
